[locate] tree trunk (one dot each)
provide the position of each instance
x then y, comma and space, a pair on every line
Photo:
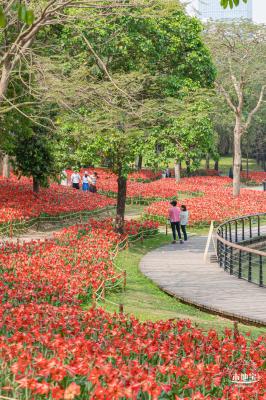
188, 167
121, 204
216, 165
140, 159
178, 171
36, 185
237, 158
6, 166
207, 161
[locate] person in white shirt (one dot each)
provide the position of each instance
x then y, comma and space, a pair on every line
63, 180
75, 180
92, 182
85, 182
184, 220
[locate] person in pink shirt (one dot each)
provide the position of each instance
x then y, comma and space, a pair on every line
174, 216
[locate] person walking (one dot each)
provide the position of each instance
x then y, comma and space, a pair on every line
92, 182
75, 180
167, 173
174, 216
184, 220
85, 182
63, 178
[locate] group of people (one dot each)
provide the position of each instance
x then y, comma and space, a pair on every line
166, 173
87, 181
179, 219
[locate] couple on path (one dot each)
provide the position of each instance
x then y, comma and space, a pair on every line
179, 219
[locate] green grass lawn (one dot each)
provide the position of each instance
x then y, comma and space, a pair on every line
146, 301
225, 163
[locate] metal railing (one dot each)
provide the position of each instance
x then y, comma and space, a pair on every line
241, 247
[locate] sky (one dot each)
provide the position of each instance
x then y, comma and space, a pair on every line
259, 9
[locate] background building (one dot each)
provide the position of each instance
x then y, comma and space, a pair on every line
211, 9
254, 10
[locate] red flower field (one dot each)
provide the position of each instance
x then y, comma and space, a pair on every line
18, 202
52, 346
66, 353
65, 270
216, 202
255, 176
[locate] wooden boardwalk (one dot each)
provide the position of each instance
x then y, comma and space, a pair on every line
179, 270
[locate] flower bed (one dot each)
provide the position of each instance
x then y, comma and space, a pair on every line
66, 353
18, 202
255, 177
145, 175
50, 348
65, 270
215, 204
165, 188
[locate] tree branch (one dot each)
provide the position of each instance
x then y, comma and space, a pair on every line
226, 96
255, 109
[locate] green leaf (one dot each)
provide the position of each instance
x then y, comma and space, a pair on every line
224, 3
30, 17
231, 3
22, 13
2, 18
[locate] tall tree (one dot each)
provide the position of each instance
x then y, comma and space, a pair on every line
239, 51
21, 21
29, 145
136, 67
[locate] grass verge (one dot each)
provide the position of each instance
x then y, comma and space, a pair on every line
146, 301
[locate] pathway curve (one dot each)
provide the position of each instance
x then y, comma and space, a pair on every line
180, 271
48, 230
51, 229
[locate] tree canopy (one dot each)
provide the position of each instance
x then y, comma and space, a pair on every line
136, 72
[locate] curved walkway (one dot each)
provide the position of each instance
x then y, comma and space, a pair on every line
179, 270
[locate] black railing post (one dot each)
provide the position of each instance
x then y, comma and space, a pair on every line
225, 257
218, 249
261, 272
240, 260
231, 261
249, 267
250, 228
240, 264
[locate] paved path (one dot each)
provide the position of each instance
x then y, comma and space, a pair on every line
180, 271
259, 187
